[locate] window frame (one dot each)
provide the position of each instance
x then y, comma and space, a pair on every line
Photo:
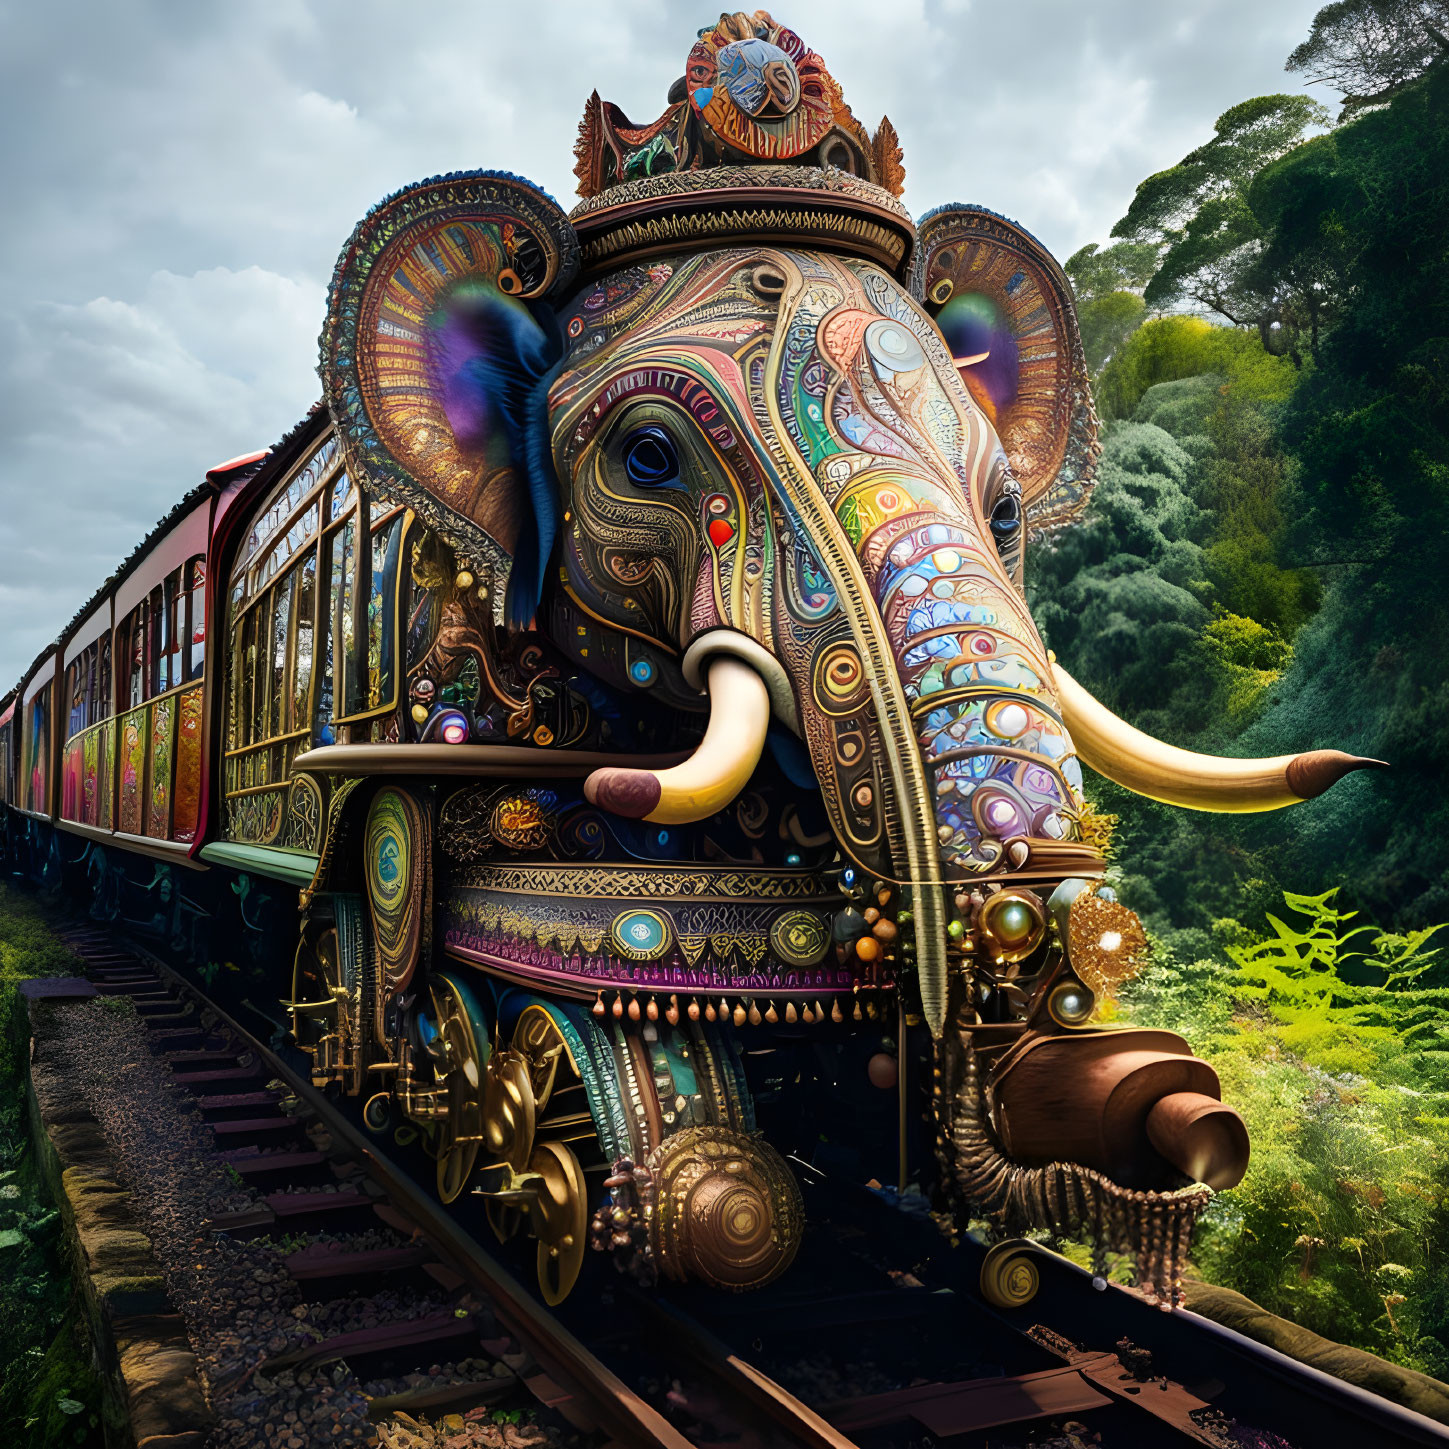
254, 586
371, 523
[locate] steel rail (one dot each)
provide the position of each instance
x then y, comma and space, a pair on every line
1069, 1304
1185, 1343
616, 1407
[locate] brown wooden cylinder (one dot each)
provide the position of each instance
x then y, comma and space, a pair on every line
1086, 1096
1200, 1136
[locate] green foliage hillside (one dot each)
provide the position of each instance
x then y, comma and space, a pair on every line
1262, 570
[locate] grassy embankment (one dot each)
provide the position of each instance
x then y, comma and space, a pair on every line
49, 1393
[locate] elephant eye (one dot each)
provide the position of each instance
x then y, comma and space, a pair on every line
1006, 520
650, 459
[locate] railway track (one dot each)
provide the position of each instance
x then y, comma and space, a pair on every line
877, 1337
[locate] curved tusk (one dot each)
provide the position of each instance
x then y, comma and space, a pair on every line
739, 716
1163, 772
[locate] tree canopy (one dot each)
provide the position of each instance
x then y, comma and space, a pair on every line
1371, 49
1260, 571
1304, 516
1198, 214
1108, 286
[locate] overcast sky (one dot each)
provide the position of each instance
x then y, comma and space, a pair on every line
180, 175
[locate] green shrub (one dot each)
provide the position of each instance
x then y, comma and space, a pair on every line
1330, 1038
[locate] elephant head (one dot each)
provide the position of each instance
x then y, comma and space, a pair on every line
743, 440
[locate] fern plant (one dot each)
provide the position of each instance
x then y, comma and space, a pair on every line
1328, 1035
1339, 1001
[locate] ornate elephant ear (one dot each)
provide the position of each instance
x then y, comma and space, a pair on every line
1005, 308
436, 356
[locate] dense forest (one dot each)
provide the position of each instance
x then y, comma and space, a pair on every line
1263, 569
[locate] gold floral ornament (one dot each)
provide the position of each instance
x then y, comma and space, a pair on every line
1105, 943
520, 822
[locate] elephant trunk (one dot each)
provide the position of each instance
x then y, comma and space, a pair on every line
1134, 1104
975, 674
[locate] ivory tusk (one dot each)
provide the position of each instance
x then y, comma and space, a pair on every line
739, 716
1163, 772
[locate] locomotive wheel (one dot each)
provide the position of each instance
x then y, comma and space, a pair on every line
1009, 1275
462, 1052
538, 1040
560, 1219
509, 1110
540, 1047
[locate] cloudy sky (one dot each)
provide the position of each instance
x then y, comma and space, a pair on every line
181, 174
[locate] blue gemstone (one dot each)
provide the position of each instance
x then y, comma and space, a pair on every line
703, 96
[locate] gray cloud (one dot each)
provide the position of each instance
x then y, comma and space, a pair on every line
180, 177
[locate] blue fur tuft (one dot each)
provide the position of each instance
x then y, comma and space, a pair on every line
525, 584
494, 358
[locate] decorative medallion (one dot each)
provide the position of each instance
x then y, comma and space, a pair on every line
641, 935
728, 1209
753, 91
1106, 944
1011, 925
800, 939
398, 856
758, 89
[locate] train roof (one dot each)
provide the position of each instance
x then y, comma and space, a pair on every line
290, 446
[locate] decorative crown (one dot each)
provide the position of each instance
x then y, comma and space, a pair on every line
755, 143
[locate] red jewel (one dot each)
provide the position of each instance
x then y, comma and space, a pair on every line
720, 532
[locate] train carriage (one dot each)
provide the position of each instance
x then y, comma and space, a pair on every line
312, 592
7, 748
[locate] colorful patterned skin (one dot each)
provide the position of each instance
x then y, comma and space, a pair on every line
827, 486
761, 448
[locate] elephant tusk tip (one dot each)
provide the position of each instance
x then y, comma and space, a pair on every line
1310, 774
630, 793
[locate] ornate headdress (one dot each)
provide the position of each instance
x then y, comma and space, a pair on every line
441, 335
756, 142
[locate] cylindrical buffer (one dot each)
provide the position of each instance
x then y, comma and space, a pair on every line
1200, 1136
1084, 1096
